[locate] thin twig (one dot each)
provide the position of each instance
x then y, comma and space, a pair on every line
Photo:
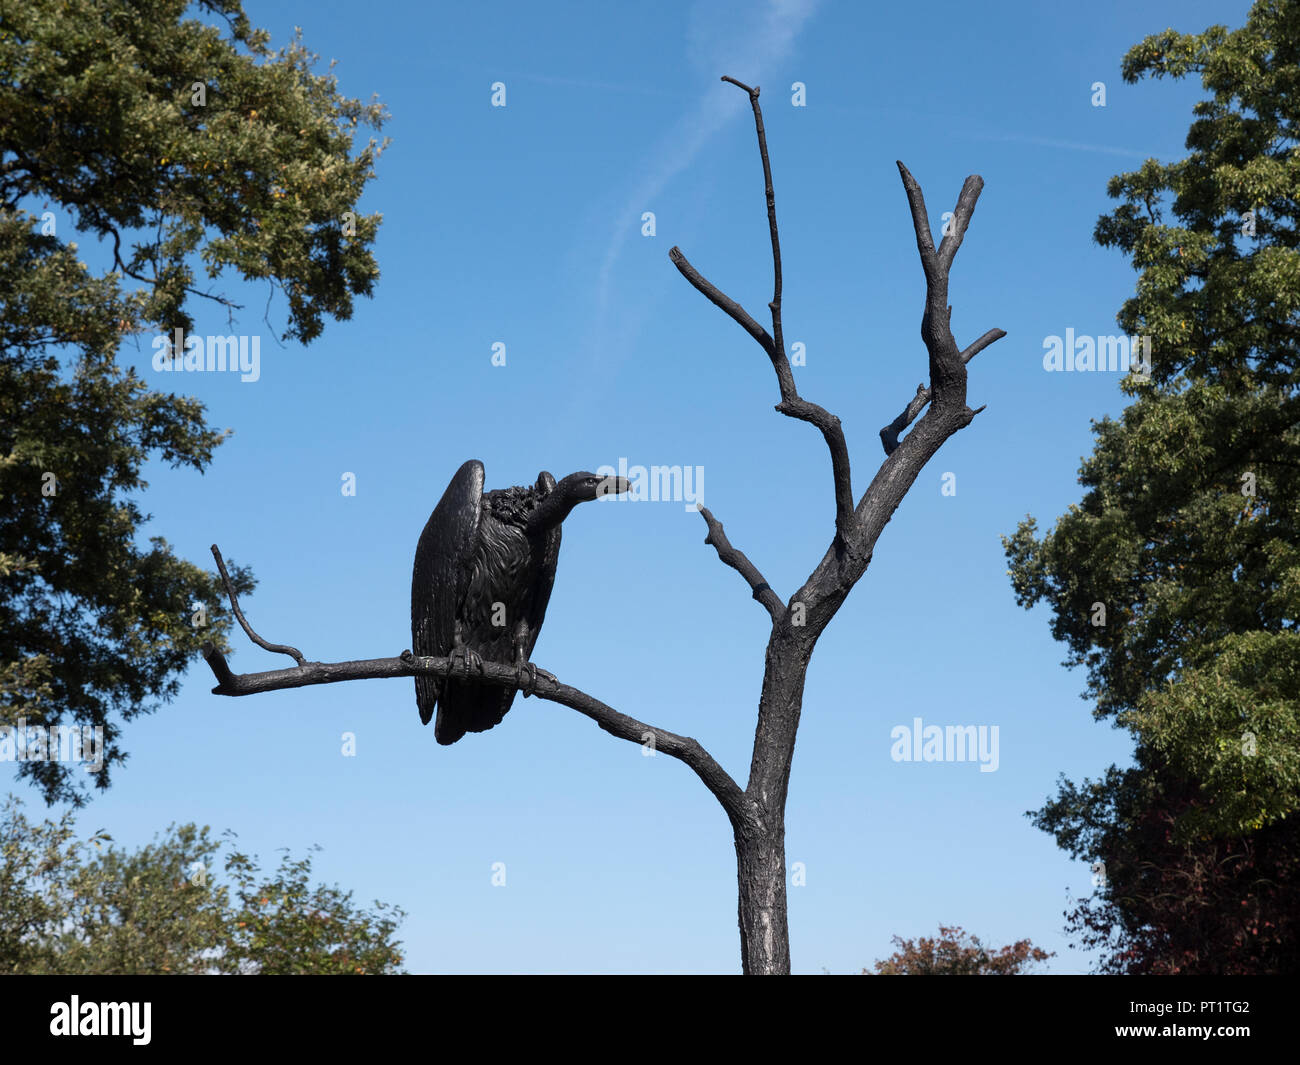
275, 648
770, 193
738, 561
229, 304
720, 299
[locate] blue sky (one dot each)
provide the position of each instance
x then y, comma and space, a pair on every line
522, 225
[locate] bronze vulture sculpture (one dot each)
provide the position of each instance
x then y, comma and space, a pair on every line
484, 569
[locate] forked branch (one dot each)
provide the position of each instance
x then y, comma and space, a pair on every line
889, 434
947, 364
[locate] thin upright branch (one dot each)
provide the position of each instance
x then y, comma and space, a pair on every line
775, 305
920, 223
792, 404
274, 648
737, 560
544, 686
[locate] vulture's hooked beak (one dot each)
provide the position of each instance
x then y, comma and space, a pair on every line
613, 486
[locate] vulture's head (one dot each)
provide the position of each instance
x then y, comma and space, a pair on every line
583, 487
572, 490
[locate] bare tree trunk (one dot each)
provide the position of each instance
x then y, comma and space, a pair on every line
760, 837
760, 871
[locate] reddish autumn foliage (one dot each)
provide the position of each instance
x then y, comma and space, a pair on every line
1214, 906
956, 953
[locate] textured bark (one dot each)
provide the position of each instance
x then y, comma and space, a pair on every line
760, 841
764, 928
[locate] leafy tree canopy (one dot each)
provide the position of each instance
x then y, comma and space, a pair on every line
1176, 579
176, 146
69, 906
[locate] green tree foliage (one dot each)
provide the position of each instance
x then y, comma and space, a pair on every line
69, 906
175, 146
957, 953
1176, 580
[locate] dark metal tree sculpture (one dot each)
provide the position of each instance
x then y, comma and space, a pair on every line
756, 811
484, 570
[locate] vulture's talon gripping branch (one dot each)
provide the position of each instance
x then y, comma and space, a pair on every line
528, 674
469, 660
